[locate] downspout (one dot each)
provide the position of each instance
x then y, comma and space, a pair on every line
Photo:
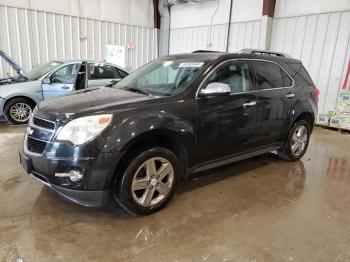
229, 27
164, 32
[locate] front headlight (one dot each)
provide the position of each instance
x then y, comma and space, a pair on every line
84, 129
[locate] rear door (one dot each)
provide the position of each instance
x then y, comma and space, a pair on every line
275, 97
101, 74
61, 81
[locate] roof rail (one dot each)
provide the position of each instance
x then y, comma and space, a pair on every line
262, 52
206, 51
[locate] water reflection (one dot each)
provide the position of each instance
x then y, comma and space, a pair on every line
226, 199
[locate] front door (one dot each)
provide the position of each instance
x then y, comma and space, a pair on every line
61, 81
227, 124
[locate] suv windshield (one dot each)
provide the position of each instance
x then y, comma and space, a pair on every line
41, 70
163, 76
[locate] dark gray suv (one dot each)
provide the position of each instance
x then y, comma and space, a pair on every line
173, 117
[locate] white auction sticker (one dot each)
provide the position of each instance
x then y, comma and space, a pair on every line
192, 64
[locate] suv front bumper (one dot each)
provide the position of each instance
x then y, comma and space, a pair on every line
92, 190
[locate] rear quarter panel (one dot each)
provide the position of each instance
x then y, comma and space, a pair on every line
306, 100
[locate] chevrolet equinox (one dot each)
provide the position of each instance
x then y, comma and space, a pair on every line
173, 117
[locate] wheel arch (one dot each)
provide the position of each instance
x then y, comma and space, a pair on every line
308, 117
155, 138
19, 96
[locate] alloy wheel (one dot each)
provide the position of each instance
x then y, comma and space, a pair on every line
152, 181
20, 112
299, 140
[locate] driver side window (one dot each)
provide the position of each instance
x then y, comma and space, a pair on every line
66, 75
234, 73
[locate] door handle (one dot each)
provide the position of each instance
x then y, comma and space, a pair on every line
65, 87
253, 103
290, 95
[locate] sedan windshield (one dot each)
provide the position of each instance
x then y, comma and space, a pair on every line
41, 70
163, 76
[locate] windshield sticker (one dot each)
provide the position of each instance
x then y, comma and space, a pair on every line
192, 64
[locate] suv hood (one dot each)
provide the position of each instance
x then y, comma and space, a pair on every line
89, 101
19, 70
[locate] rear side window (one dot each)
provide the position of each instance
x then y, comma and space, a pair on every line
299, 73
102, 71
269, 75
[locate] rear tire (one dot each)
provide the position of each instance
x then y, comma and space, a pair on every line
148, 181
297, 142
18, 110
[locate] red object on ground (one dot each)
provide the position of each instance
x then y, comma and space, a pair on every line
345, 84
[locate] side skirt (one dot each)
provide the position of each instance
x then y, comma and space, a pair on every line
231, 159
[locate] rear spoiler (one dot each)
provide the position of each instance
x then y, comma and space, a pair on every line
14, 65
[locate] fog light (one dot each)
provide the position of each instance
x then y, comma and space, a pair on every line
74, 175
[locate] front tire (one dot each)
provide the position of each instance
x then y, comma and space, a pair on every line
148, 182
18, 110
297, 142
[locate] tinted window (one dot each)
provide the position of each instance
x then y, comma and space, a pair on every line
299, 73
66, 75
269, 75
122, 73
235, 74
102, 71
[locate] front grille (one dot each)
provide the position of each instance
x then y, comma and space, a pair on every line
35, 146
43, 123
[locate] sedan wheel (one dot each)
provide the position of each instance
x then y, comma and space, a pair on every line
20, 112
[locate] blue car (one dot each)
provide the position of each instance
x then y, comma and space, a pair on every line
20, 94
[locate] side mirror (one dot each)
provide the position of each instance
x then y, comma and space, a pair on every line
216, 89
47, 80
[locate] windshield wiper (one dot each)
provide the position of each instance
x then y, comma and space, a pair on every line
137, 90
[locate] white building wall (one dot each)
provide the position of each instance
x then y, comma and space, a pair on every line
204, 26
320, 40
33, 37
287, 8
134, 12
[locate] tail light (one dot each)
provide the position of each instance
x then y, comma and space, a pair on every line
317, 93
